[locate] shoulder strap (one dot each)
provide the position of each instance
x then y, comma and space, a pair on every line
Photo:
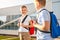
50, 20
44, 9
49, 13
24, 18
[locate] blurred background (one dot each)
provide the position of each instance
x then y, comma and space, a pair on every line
10, 13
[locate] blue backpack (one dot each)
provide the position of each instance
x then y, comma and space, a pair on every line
54, 25
55, 28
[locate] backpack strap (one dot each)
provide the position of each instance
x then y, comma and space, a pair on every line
43, 9
50, 23
24, 19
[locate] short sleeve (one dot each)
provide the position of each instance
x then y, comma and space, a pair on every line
27, 20
45, 15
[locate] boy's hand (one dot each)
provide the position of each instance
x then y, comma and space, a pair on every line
35, 23
21, 24
18, 24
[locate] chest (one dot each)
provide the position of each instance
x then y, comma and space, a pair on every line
26, 21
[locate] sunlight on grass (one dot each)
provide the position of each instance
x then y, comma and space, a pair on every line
13, 38
4, 37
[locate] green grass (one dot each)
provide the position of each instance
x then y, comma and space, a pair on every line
13, 38
4, 37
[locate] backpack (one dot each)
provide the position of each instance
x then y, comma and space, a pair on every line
54, 25
55, 28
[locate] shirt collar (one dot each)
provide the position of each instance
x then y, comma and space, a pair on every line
24, 15
40, 9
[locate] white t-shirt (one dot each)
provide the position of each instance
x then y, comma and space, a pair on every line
26, 22
41, 18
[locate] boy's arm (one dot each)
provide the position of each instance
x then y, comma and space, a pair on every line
45, 26
18, 24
